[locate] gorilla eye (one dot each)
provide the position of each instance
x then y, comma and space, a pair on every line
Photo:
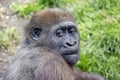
59, 33
36, 33
72, 30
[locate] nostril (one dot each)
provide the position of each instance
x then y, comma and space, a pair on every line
70, 44
75, 42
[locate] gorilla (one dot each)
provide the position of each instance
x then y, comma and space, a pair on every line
50, 49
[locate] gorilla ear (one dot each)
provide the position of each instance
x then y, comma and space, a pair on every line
36, 33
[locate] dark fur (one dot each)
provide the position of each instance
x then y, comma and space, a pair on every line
38, 64
39, 59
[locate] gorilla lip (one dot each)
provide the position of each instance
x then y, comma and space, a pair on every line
70, 53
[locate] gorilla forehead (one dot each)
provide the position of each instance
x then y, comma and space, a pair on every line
51, 17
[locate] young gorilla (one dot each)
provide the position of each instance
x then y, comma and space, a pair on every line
50, 51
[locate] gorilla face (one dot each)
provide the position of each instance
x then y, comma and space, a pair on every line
65, 39
62, 37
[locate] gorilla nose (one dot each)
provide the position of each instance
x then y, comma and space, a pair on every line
70, 44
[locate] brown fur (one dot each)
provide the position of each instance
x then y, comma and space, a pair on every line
50, 17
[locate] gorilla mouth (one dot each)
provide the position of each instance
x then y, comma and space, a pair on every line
70, 53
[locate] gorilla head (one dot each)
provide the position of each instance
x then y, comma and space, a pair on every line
55, 29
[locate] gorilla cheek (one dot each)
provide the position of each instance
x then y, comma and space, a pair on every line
53, 44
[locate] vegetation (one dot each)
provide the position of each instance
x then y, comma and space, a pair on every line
99, 26
25, 10
8, 38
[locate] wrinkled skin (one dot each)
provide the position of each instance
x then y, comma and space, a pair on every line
64, 38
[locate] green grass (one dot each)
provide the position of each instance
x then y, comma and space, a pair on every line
8, 38
25, 10
99, 26
106, 65
100, 38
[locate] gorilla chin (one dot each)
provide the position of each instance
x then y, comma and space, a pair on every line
70, 56
71, 59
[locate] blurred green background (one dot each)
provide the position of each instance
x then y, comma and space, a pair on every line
99, 26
